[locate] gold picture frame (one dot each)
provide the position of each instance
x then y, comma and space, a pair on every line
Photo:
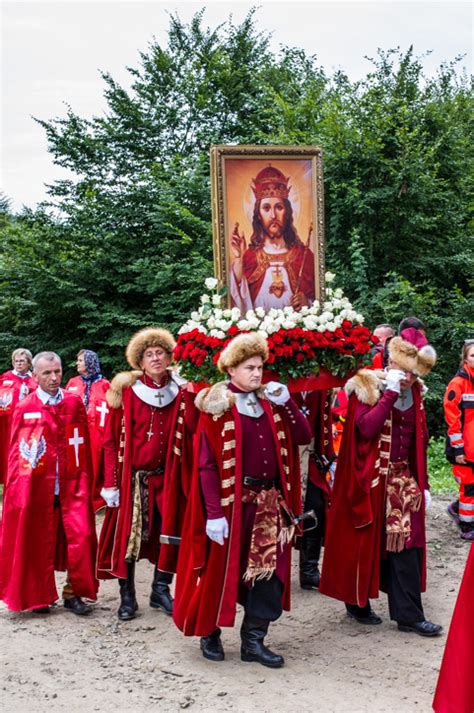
286, 251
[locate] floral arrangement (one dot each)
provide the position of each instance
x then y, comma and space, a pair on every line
330, 336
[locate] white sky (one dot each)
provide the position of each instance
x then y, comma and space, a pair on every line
51, 54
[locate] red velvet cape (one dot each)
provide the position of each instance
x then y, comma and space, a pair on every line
355, 541
208, 573
10, 385
96, 431
455, 689
29, 552
116, 528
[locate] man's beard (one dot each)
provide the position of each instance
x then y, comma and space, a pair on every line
274, 231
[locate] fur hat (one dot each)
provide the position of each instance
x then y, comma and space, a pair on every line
242, 347
409, 358
148, 337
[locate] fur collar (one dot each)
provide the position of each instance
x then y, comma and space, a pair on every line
218, 399
121, 381
367, 385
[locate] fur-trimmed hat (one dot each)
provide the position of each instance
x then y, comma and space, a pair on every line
145, 338
408, 357
242, 347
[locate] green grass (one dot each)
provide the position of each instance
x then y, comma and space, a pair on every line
439, 470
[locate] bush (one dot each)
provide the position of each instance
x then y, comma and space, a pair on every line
439, 470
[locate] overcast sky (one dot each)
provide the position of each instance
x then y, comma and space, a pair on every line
51, 54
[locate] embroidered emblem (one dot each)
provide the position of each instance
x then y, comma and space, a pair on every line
34, 452
5, 401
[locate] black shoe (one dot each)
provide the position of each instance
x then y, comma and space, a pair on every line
310, 549
41, 610
77, 606
128, 603
423, 628
371, 619
211, 646
252, 633
160, 597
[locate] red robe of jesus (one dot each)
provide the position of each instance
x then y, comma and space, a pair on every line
13, 388
47, 442
97, 414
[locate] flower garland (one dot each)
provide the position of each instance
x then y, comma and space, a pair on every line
330, 336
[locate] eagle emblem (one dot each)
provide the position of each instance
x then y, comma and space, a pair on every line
5, 401
33, 453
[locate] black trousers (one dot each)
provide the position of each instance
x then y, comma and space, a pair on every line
402, 573
263, 600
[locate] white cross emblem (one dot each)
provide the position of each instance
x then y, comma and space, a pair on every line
76, 441
103, 410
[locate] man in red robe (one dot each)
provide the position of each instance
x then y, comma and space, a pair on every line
376, 526
91, 386
48, 521
317, 466
146, 449
15, 384
244, 497
455, 689
277, 269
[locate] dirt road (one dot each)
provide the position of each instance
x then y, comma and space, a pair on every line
63, 662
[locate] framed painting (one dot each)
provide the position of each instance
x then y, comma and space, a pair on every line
268, 225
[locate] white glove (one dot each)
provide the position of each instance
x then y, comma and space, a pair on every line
217, 530
393, 378
111, 497
332, 472
427, 499
277, 393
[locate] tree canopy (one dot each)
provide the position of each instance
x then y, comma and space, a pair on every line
126, 240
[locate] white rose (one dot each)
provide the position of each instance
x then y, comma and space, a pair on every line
310, 323
329, 276
288, 324
211, 323
216, 300
273, 312
253, 323
227, 313
195, 316
359, 318
218, 313
321, 328
260, 312
210, 283
205, 299
217, 333
331, 327
235, 314
243, 325
338, 293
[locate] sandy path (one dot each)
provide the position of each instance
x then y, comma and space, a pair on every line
63, 662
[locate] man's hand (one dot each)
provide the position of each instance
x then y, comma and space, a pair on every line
299, 300
461, 459
277, 393
393, 378
111, 497
217, 530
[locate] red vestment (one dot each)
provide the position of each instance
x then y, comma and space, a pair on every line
208, 574
12, 388
47, 442
455, 689
316, 406
97, 414
168, 448
256, 263
355, 541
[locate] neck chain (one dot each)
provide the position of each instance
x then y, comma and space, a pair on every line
152, 417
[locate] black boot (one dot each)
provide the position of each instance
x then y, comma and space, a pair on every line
160, 597
310, 550
252, 634
211, 646
128, 603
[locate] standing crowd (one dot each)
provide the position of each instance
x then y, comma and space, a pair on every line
216, 486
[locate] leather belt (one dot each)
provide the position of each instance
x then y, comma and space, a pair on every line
250, 482
159, 471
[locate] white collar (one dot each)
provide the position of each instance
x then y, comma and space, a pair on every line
44, 396
22, 376
160, 397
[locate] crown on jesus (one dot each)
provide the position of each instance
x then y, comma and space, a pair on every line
269, 183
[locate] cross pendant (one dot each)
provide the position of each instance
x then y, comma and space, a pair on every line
150, 434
